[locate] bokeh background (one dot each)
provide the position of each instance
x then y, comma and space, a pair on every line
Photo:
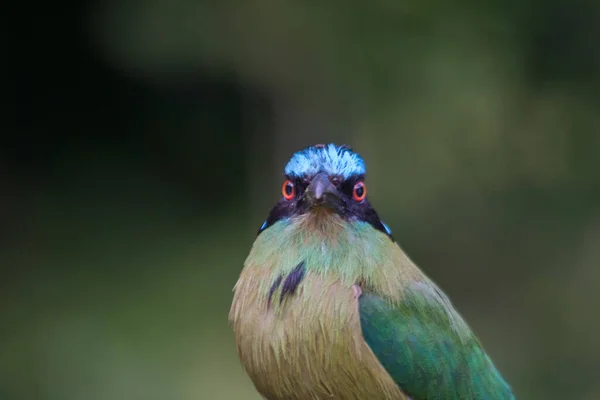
143, 144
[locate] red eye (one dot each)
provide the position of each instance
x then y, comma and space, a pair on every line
288, 190
359, 192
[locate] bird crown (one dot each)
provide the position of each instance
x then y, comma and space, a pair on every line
329, 158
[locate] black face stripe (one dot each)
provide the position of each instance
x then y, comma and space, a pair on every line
286, 208
351, 209
347, 187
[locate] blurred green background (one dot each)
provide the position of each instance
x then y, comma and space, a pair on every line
144, 144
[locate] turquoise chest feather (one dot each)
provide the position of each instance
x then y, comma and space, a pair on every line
349, 250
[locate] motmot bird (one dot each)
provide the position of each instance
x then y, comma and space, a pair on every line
328, 306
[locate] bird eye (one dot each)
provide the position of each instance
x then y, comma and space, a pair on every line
288, 190
359, 192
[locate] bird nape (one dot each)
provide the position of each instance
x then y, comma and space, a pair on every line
328, 306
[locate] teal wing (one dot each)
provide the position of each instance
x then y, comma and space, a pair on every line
428, 349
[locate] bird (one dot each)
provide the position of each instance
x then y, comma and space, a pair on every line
328, 305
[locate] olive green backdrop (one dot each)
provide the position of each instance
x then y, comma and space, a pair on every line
144, 145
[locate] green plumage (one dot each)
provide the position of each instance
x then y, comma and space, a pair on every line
328, 306
428, 349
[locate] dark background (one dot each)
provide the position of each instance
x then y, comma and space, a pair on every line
143, 145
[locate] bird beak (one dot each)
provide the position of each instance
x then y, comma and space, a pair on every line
321, 191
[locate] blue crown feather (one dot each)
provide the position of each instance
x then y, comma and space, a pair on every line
331, 159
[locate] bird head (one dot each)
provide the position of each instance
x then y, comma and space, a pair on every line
324, 180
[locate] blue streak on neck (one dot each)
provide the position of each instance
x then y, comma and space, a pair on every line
387, 228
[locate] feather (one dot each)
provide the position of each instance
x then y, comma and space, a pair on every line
332, 159
356, 318
428, 349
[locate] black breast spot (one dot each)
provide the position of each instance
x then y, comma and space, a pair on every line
274, 287
292, 281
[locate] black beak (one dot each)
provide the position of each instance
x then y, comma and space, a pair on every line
321, 191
